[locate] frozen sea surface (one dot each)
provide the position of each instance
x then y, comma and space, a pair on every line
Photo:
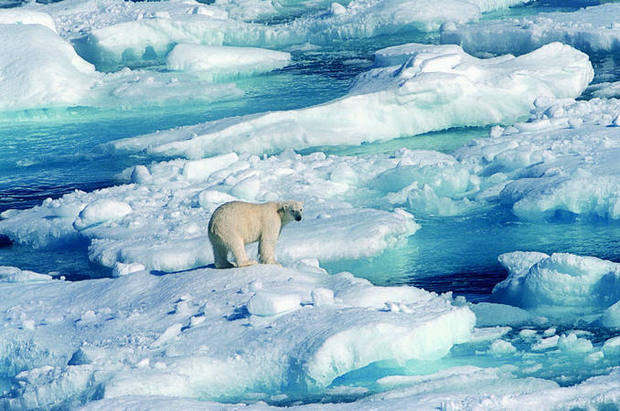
462, 223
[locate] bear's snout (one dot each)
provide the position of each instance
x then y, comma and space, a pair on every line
297, 217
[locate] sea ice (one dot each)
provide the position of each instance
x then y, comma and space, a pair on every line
611, 317
224, 62
74, 18
584, 284
560, 165
501, 347
455, 388
40, 69
37, 68
15, 275
606, 90
150, 39
592, 29
21, 16
434, 88
127, 336
125, 224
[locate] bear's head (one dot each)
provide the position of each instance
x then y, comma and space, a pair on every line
291, 210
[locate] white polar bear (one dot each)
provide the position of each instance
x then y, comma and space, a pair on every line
237, 223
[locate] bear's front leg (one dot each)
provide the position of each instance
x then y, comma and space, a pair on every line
267, 245
238, 249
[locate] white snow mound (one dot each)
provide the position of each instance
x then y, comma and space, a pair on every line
137, 40
38, 68
191, 335
24, 16
224, 62
435, 87
564, 280
592, 29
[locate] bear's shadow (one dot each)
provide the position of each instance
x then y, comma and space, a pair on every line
160, 273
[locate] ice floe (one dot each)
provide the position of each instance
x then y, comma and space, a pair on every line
433, 88
606, 89
537, 280
559, 165
15, 275
126, 225
38, 68
21, 16
141, 334
152, 37
592, 29
224, 62
76, 18
469, 388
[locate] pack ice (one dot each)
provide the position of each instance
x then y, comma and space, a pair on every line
38, 68
537, 280
559, 166
592, 29
131, 41
470, 388
128, 231
224, 62
35, 57
212, 334
423, 88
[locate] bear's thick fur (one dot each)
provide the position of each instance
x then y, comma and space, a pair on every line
237, 223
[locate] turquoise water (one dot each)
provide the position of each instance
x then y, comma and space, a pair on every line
459, 254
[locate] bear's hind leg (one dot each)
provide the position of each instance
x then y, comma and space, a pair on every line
220, 255
237, 247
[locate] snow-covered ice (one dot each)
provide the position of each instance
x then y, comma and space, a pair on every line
470, 388
166, 331
38, 68
537, 280
136, 335
592, 29
125, 224
559, 165
20, 16
15, 275
224, 62
431, 88
132, 41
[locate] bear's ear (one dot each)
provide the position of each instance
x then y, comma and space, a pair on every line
283, 207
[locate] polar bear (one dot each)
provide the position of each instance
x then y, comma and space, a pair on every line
237, 223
